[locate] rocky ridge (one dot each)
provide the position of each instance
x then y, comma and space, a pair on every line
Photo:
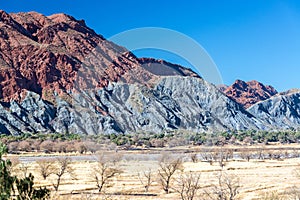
249, 93
44, 54
58, 75
281, 111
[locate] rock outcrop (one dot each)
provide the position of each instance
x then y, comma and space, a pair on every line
172, 103
249, 93
281, 111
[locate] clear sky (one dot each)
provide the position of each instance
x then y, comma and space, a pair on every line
247, 39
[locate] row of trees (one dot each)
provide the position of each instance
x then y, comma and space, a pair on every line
48, 146
223, 154
73, 142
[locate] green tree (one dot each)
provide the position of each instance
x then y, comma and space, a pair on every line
27, 192
6, 179
24, 186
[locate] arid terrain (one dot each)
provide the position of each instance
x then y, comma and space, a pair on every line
267, 177
92, 120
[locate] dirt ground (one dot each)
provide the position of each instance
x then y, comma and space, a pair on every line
256, 177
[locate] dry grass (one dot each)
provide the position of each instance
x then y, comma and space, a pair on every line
258, 178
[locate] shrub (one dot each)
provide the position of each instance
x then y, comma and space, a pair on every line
47, 146
24, 146
27, 192
80, 147
6, 179
13, 146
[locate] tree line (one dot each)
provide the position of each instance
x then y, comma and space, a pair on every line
66, 143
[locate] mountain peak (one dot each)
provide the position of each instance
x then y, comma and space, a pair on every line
61, 17
5, 18
45, 54
2, 12
249, 93
290, 92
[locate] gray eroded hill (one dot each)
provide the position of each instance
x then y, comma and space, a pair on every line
280, 111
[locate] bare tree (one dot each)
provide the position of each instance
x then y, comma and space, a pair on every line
91, 146
270, 154
157, 142
278, 155
80, 147
188, 185
24, 146
45, 167
226, 188
194, 158
246, 154
58, 146
220, 155
35, 143
167, 167
248, 140
23, 168
260, 153
206, 155
47, 146
295, 153
228, 154
63, 166
70, 147
272, 195
13, 146
292, 193
146, 179
106, 168
215, 155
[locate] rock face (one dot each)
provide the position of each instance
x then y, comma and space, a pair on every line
58, 75
44, 54
174, 102
280, 111
222, 87
249, 93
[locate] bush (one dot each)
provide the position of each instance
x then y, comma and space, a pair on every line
27, 192
157, 142
47, 146
13, 146
24, 146
80, 147
6, 179
24, 186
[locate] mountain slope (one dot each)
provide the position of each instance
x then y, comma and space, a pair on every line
44, 54
173, 103
58, 75
281, 111
249, 93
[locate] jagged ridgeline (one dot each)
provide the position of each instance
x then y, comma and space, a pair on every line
58, 75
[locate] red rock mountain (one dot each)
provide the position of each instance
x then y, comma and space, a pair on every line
56, 57
249, 93
46, 53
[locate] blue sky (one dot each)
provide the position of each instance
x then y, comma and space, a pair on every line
257, 39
